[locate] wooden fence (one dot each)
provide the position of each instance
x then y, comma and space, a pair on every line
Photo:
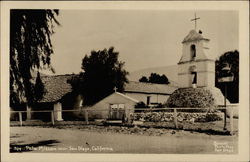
175, 111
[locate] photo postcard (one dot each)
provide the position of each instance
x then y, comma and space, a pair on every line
124, 81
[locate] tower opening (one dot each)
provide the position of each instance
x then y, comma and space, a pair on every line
193, 51
193, 78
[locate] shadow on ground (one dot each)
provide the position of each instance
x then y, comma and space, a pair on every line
210, 132
28, 147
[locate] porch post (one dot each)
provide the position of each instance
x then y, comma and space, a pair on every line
58, 111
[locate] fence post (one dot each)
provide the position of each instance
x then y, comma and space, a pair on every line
86, 117
20, 118
52, 118
175, 119
225, 119
231, 121
28, 111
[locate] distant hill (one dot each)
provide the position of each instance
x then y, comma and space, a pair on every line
170, 71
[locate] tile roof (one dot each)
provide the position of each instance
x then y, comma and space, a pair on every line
56, 87
140, 87
193, 36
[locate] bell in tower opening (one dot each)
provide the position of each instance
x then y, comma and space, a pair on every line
193, 77
193, 52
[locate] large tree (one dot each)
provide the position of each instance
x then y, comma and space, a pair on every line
102, 72
30, 50
231, 59
39, 89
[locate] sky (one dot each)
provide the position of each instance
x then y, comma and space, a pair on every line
143, 38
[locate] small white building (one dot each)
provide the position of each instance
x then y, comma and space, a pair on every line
116, 106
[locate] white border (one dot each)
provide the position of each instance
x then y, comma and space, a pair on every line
241, 6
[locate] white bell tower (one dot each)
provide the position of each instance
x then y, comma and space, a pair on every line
196, 68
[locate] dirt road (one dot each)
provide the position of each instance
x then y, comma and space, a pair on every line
34, 139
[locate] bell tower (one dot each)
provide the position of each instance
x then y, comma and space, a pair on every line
196, 68
196, 74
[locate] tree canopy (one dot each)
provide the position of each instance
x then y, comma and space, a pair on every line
155, 78
230, 58
143, 79
102, 72
30, 50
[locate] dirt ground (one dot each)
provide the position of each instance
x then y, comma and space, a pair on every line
37, 139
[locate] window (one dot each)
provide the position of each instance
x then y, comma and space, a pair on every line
148, 100
193, 51
121, 106
117, 106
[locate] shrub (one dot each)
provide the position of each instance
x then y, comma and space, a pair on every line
181, 117
159, 105
141, 105
195, 98
191, 97
210, 117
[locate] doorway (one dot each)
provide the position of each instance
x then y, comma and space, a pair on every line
117, 111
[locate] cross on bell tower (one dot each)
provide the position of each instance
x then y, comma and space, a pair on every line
195, 19
115, 89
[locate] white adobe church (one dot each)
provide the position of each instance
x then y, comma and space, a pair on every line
196, 71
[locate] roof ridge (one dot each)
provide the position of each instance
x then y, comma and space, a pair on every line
149, 83
130, 98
